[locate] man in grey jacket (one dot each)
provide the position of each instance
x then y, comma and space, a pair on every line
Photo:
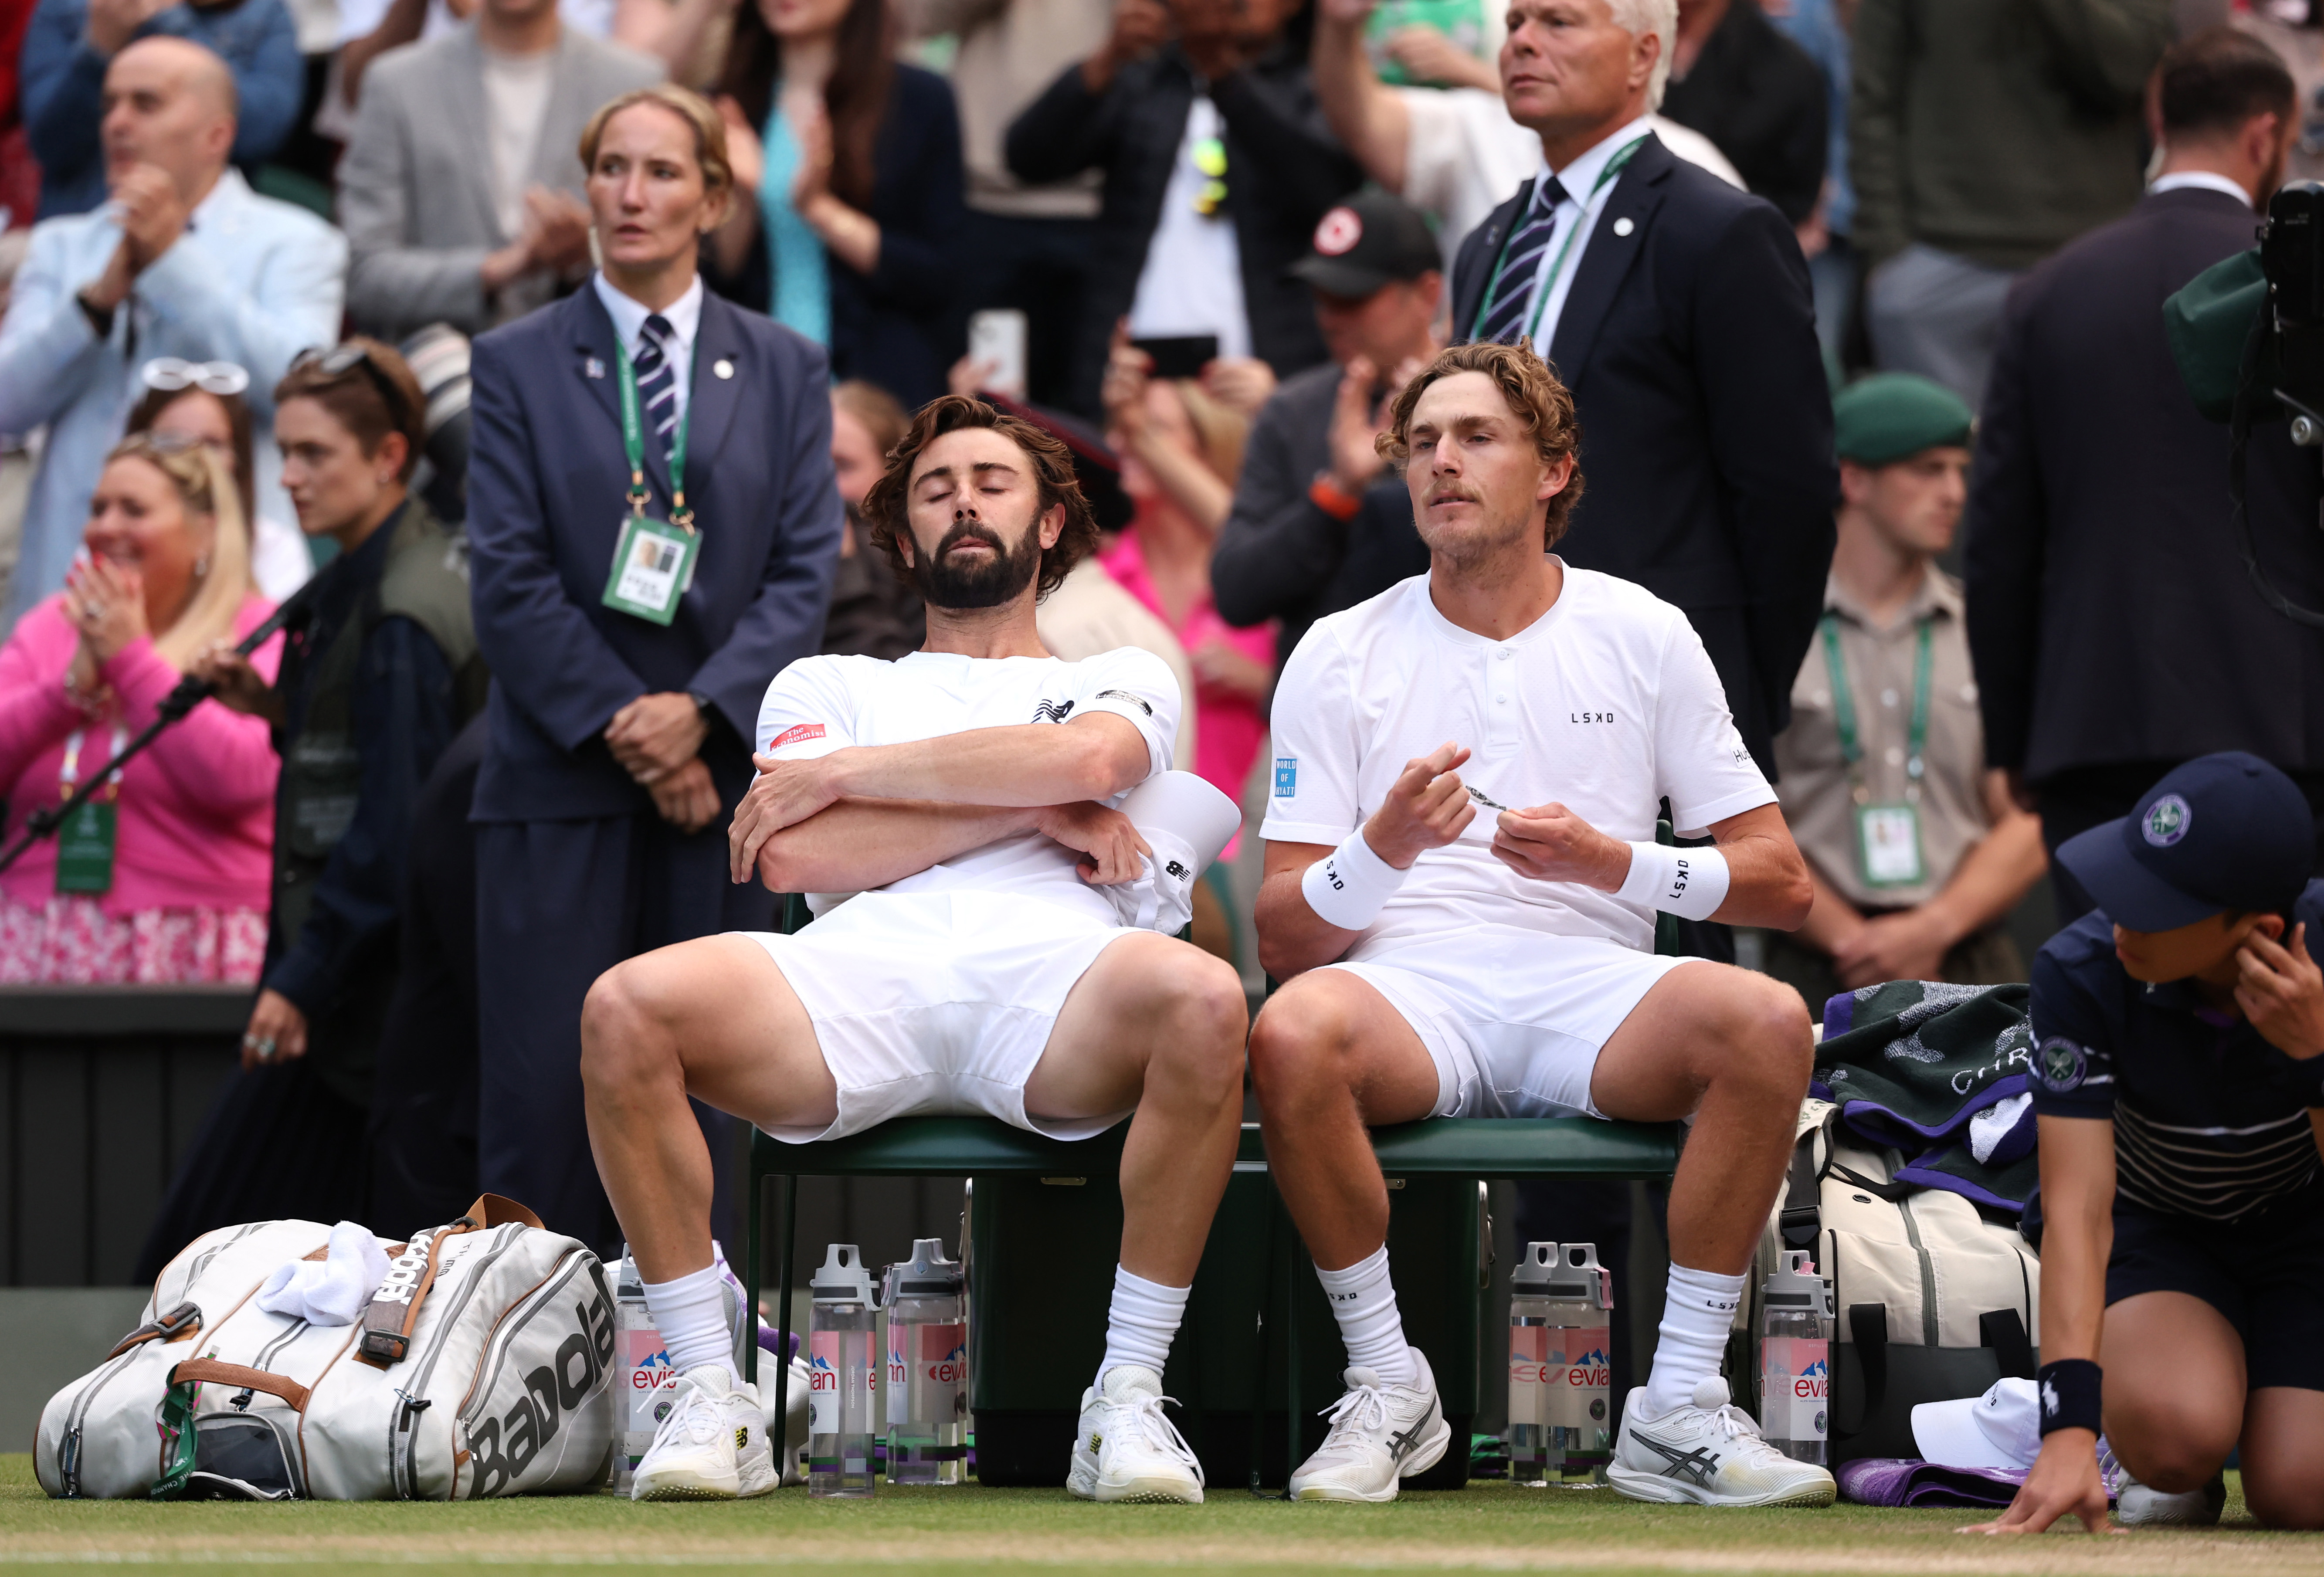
1319, 521
460, 190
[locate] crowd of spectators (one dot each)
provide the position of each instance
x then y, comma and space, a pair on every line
1205, 242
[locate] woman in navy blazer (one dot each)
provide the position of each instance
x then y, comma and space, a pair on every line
619, 746
854, 163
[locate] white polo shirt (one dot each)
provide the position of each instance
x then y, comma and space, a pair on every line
820, 703
1607, 703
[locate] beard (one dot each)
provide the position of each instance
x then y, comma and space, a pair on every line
958, 586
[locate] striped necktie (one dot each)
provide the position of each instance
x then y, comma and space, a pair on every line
1504, 317
657, 372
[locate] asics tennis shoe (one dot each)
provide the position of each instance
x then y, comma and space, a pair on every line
1709, 1453
1380, 1435
711, 1445
1126, 1449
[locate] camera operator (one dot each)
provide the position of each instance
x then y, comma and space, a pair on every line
2114, 631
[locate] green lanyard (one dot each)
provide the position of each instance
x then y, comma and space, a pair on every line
633, 443
1557, 264
1843, 709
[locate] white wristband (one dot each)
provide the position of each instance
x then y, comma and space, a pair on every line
1351, 885
1690, 883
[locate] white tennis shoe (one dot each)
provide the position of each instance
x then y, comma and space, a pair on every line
711, 1445
2137, 1506
1125, 1449
1380, 1437
1709, 1453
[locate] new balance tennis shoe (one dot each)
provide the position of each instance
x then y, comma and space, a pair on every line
1709, 1453
711, 1445
1126, 1449
1380, 1435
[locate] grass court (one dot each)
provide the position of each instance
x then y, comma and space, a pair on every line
1486, 1527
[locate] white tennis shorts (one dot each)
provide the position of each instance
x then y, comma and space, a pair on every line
1513, 1018
937, 1004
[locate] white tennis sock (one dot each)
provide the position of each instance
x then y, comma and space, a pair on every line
1363, 1300
1698, 1313
1139, 1326
690, 1313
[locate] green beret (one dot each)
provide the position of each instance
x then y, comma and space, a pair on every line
1889, 417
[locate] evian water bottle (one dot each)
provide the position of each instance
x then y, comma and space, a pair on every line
1795, 1358
1577, 1370
642, 1370
841, 1375
1534, 1458
928, 1368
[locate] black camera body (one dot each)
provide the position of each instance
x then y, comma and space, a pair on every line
2291, 256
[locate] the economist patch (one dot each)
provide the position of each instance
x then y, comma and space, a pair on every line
794, 733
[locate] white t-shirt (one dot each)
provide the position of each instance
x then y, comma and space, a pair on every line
822, 704
1191, 282
1607, 703
516, 101
1463, 157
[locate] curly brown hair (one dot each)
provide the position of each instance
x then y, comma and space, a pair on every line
1535, 397
1053, 473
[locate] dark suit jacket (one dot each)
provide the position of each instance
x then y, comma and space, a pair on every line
2110, 616
546, 486
1706, 427
1762, 99
888, 326
1285, 170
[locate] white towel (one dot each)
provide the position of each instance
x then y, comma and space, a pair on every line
1185, 822
330, 1291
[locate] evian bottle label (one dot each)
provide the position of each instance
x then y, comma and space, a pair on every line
1580, 1373
1795, 1387
651, 1378
1528, 1374
823, 1382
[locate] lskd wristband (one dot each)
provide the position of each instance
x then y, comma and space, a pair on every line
1351, 885
1690, 883
2069, 1394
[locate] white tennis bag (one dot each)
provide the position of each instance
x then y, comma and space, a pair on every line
480, 1367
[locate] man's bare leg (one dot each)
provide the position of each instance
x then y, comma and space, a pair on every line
1735, 1049
1156, 1024
714, 1018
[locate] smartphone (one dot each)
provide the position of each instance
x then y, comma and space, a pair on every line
996, 336
1180, 355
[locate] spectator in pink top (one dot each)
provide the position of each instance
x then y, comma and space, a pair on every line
1181, 451
177, 889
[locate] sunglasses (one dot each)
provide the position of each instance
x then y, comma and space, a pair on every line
171, 374
343, 359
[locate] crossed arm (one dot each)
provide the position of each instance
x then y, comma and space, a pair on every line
1428, 807
865, 816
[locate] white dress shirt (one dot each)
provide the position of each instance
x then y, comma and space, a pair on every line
683, 317
1584, 198
2201, 179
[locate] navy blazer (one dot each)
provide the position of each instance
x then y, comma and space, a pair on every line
547, 482
1690, 345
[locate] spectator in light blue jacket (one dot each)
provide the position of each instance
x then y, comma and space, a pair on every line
185, 261
70, 42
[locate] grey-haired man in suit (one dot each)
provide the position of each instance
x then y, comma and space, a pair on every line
460, 190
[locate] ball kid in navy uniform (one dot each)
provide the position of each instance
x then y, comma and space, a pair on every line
2179, 1074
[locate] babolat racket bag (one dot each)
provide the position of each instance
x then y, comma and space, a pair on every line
480, 1367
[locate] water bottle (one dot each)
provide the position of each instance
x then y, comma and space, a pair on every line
928, 1368
642, 1371
843, 1375
1573, 1296
1533, 1458
1796, 1359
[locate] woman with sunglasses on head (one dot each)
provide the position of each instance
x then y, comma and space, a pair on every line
377, 675
205, 401
162, 877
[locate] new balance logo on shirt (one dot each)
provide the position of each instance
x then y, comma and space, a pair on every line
1052, 711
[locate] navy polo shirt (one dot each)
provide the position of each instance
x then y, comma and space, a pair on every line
2211, 1120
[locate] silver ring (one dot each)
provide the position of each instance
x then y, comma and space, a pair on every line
265, 1049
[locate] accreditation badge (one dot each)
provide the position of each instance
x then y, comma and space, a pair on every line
84, 844
653, 564
1888, 842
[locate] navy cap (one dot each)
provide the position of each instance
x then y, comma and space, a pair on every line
1374, 238
2222, 832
